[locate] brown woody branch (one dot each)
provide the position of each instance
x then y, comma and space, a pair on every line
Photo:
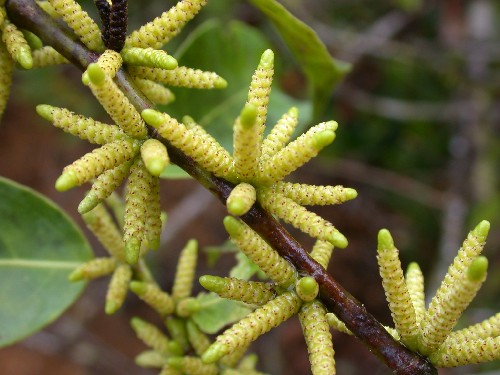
27, 15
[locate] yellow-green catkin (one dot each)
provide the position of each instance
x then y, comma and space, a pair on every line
48, 8
317, 334
185, 272
198, 340
209, 154
246, 143
280, 134
487, 328
259, 252
415, 284
192, 366
6, 67
160, 301
232, 359
103, 186
93, 269
322, 252
81, 23
152, 58
154, 155
153, 223
337, 324
102, 225
177, 329
115, 102
150, 335
118, 287
251, 292
163, 28
186, 307
298, 216
260, 88
96, 162
83, 127
298, 152
47, 56
150, 358
253, 325
155, 92
396, 292
468, 352
180, 77
110, 62
241, 199
455, 292
138, 190
17, 46
307, 288
305, 195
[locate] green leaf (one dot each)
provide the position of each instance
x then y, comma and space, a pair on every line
39, 247
321, 69
233, 51
218, 312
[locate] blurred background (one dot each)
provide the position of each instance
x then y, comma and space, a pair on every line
419, 119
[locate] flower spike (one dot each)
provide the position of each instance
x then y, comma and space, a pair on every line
6, 67
160, 301
317, 334
162, 29
81, 23
47, 56
93, 269
83, 127
149, 57
155, 157
184, 275
259, 252
180, 77
255, 324
117, 26
246, 143
241, 199
251, 292
280, 134
415, 283
118, 288
155, 92
396, 292
299, 217
17, 46
455, 292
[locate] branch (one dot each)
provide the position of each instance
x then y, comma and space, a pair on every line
26, 14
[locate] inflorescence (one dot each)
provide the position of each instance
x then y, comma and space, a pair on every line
257, 168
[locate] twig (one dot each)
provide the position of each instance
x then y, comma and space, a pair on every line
398, 358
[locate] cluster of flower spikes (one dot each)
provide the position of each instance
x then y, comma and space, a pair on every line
257, 168
126, 149
178, 350
429, 331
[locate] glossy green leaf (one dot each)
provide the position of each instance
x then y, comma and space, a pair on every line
322, 70
233, 51
39, 247
217, 312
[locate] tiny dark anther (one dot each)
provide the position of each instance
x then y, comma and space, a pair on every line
117, 25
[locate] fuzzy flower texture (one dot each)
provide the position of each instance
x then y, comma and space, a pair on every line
257, 167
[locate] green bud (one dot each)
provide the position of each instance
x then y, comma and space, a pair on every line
248, 115
45, 111
338, 239
267, 59
66, 181
478, 268
220, 83
213, 283
307, 288
233, 226
323, 139
481, 230
385, 240
152, 117
96, 74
